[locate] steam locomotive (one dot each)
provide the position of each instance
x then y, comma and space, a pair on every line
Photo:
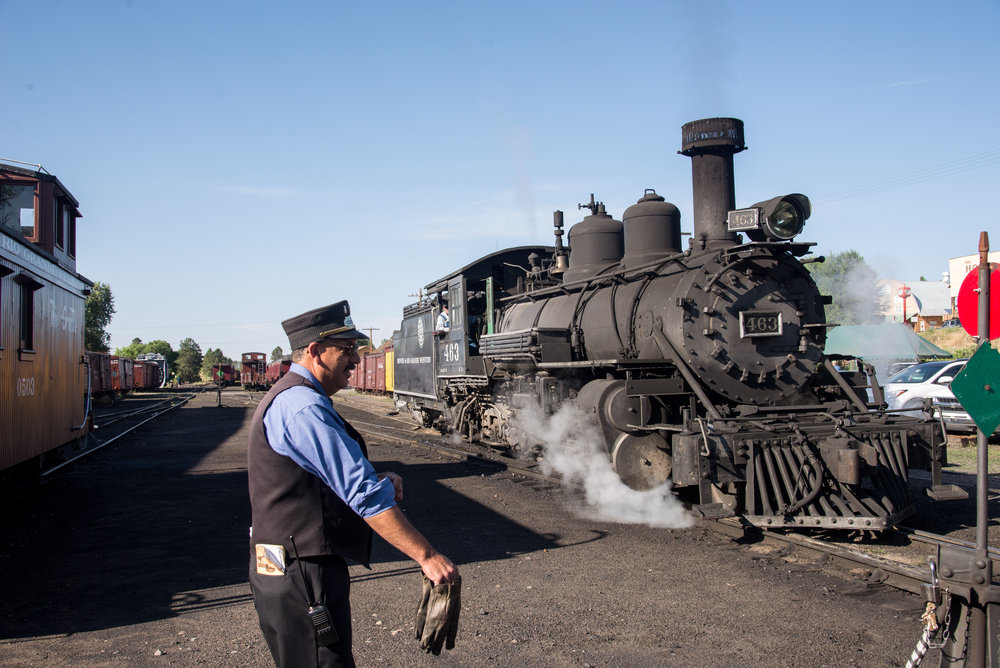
704, 366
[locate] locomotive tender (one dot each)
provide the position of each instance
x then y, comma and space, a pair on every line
703, 367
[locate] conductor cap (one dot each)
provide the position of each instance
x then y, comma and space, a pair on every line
327, 322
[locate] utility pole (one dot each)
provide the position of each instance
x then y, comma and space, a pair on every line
370, 330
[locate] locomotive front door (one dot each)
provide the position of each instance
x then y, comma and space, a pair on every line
453, 346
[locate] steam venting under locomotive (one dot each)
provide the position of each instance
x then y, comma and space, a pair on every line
703, 366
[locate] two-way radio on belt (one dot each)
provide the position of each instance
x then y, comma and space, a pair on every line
318, 613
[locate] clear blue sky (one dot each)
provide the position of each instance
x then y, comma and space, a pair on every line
238, 163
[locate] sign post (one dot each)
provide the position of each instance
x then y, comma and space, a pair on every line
971, 609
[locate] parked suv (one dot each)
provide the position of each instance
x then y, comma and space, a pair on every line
907, 389
954, 416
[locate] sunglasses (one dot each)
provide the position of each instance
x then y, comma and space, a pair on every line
347, 350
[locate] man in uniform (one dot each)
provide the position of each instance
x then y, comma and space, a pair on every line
315, 500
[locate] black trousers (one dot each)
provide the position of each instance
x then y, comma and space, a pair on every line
282, 603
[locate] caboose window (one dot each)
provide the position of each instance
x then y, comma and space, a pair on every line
61, 220
17, 208
4, 270
72, 235
28, 286
27, 318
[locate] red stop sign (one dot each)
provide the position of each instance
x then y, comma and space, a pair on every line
968, 302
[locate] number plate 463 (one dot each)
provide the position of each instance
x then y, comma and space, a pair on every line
760, 323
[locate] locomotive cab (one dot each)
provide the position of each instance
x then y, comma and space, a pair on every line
436, 370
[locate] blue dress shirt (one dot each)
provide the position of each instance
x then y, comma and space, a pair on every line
302, 424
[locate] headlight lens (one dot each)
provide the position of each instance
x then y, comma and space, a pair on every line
786, 221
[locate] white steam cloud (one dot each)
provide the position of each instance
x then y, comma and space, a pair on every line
573, 446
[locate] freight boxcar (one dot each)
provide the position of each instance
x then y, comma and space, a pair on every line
146, 375
390, 371
161, 363
374, 373
99, 368
363, 375
278, 368
122, 375
43, 375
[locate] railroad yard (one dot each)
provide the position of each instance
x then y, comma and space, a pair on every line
136, 555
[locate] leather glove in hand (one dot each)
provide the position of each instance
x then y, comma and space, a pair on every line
437, 615
425, 597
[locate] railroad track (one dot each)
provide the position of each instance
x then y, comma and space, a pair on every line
865, 551
112, 426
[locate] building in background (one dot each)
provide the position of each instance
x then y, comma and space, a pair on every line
921, 305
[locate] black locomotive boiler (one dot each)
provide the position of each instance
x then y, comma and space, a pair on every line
703, 366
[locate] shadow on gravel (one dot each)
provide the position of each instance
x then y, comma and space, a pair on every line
461, 528
140, 530
131, 533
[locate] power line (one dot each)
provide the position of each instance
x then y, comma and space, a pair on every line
959, 166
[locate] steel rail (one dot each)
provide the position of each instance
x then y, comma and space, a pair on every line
100, 444
936, 539
897, 574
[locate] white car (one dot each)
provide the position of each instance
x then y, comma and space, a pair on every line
929, 380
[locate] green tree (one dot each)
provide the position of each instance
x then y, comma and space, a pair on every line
100, 308
851, 282
159, 346
132, 350
188, 364
277, 353
210, 358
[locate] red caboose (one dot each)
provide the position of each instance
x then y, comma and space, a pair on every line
253, 372
224, 374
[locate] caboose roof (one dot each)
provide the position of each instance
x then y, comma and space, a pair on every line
41, 174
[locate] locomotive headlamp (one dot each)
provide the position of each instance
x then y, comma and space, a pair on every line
777, 219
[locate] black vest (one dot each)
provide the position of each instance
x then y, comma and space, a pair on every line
286, 500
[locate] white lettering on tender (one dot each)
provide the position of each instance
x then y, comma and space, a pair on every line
413, 360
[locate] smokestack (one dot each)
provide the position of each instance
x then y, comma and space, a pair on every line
711, 144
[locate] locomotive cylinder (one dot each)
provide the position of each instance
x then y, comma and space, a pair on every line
711, 144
